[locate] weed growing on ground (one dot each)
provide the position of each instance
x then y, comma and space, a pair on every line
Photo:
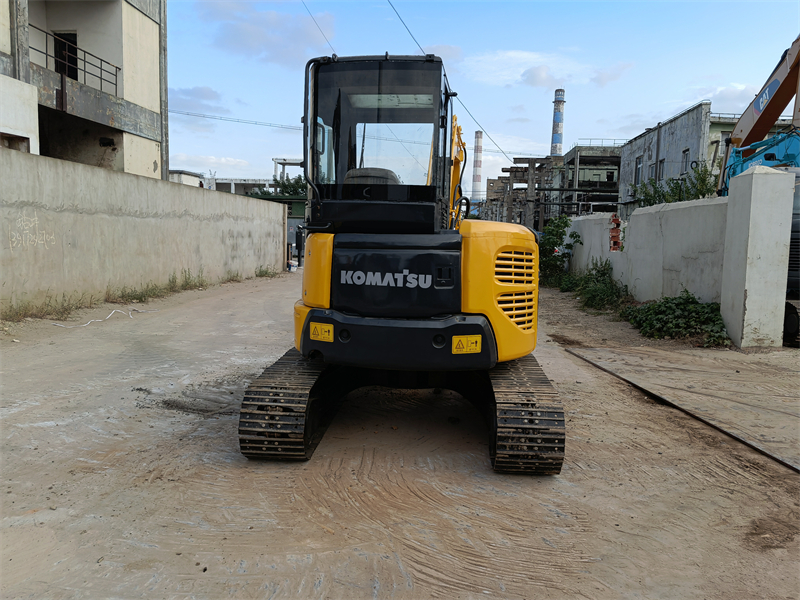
147, 292
125, 294
191, 282
679, 317
231, 276
173, 285
50, 307
262, 271
596, 288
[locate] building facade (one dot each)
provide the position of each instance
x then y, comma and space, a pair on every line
86, 82
672, 148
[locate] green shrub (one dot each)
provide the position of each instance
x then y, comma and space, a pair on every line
679, 317
596, 288
552, 264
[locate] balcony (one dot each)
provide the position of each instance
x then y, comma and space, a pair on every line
59, 53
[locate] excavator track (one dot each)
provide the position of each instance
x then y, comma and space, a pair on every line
286, 410
529, 422
274, 419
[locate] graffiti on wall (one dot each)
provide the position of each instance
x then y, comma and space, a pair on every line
26, 232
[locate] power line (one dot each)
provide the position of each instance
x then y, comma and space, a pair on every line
318, 27
300, 128
232, 120
482, 129
457, 98
406, 26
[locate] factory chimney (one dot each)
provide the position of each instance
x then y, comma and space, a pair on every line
558, 123
476, 167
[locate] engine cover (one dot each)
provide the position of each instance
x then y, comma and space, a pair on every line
395, 276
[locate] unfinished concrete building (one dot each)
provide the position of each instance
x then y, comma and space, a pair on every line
583, 181
672, 148
590, 177
86, 82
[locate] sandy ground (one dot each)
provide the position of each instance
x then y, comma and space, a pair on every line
122, 477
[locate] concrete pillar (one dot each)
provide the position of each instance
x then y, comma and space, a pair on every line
756, 260
233, 187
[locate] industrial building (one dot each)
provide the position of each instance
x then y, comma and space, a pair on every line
583, 181
672, 148
86, 82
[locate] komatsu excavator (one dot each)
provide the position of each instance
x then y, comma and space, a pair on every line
399, 289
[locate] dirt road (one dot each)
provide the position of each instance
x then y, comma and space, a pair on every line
123, 479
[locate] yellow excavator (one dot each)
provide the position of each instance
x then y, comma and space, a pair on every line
400, 289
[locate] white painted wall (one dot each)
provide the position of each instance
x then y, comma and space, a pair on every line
757, 256
140, 68
5, 28
667, 247
734, 251
74, 229
19, 110
185, 179
37, 15
141, 156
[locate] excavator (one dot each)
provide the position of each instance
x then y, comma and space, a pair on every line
399, 289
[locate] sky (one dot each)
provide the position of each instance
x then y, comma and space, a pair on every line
625, 66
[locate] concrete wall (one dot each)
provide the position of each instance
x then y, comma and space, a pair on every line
19, 110
757, 256
5, 28
141, 156
140, 68
667, 248
74, 229
734, 251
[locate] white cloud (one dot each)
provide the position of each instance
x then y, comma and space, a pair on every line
734, 98
279, 38
506, 67
202, 99
541, 77
605, 76
449, 54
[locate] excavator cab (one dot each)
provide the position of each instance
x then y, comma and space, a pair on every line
376, 155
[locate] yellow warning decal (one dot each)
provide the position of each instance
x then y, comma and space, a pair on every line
466, 344
322, 332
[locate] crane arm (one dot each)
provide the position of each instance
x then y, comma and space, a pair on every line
764, 111
770, 102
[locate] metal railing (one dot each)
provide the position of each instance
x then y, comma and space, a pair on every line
75, 63
599, 142
737, 116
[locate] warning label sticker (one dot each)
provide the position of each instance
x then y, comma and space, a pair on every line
322, 332
466, 344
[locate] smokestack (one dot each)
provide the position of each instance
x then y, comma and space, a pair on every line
558, 123
476, 167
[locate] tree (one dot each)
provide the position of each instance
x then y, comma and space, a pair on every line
553, 251
699, 183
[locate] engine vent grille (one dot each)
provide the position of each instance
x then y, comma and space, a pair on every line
514, 266
519, 307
